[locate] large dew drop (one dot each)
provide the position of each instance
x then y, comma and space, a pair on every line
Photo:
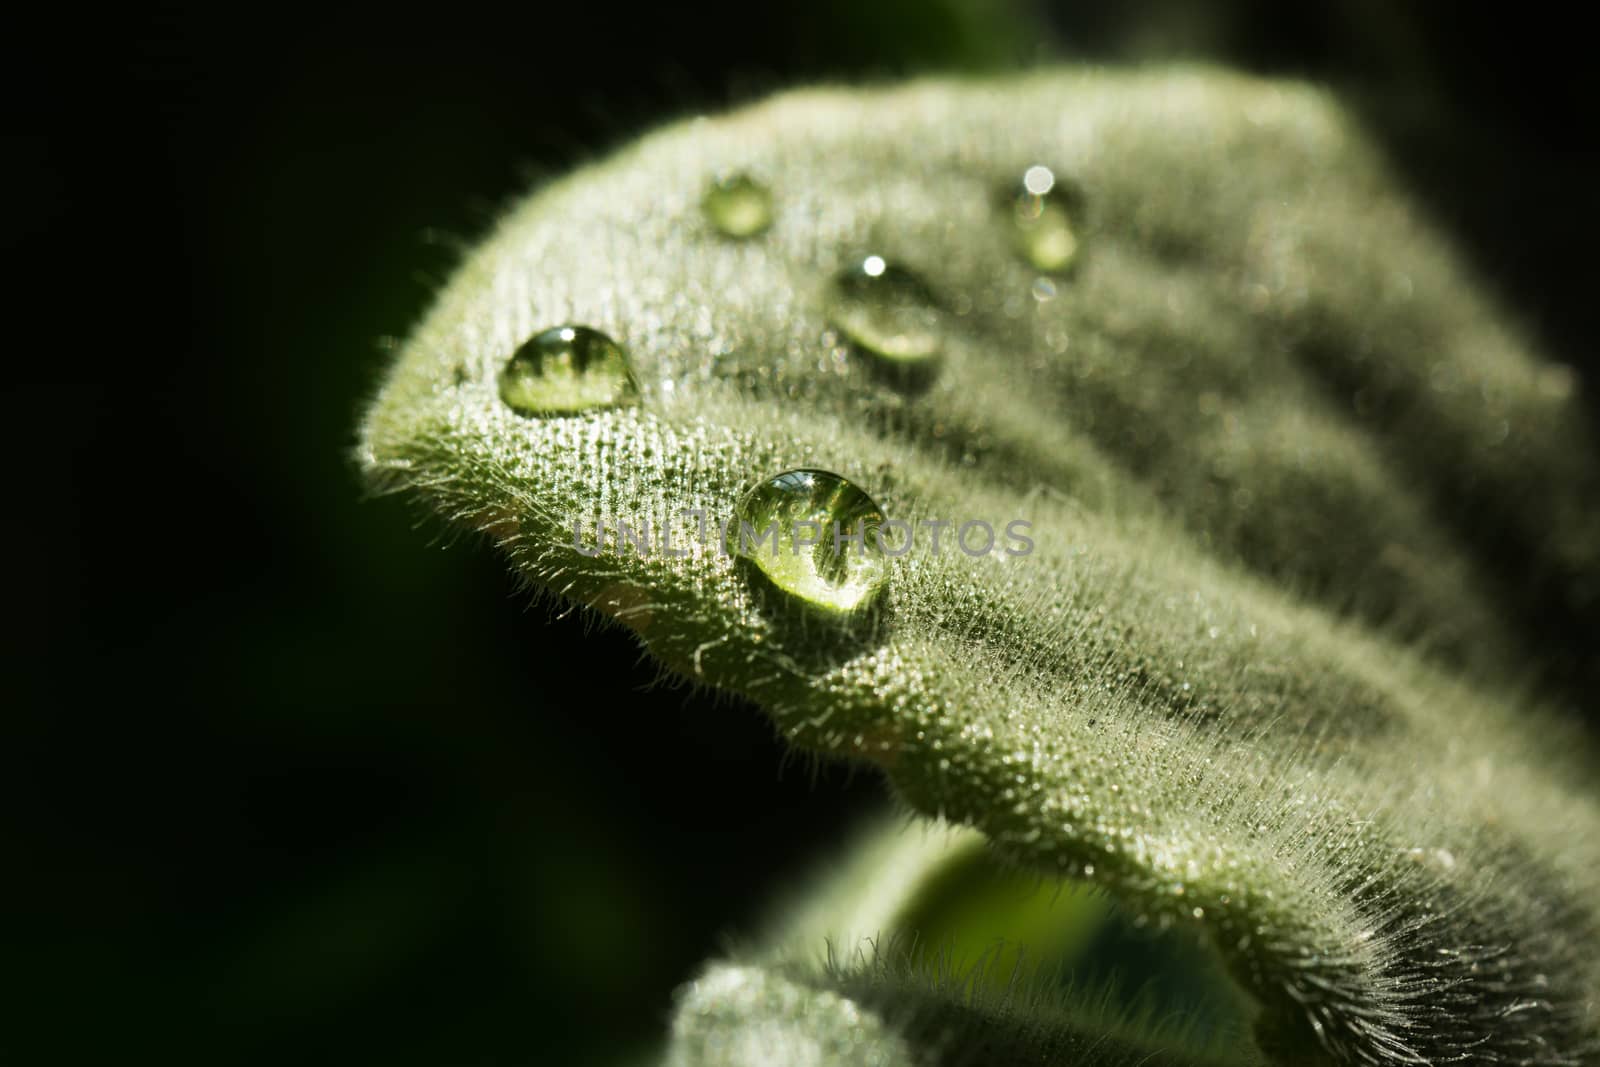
738, 206
887, 312
1044, 218
566, 370
814, 535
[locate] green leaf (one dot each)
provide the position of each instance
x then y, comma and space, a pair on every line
944, 954
1263, 674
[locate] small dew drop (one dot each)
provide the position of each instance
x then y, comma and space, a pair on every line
1438, 860
886, 311
814, 535
738, 206
565, 370
1044, 217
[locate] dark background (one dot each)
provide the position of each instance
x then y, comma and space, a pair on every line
286, 779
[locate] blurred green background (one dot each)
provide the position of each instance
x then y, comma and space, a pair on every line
293, 777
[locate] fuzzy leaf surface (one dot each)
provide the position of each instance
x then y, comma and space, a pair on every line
1263, 671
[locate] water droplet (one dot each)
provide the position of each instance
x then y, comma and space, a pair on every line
814, 535
1044, 217
565, 370
738, 206
1439, 860
886, 311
